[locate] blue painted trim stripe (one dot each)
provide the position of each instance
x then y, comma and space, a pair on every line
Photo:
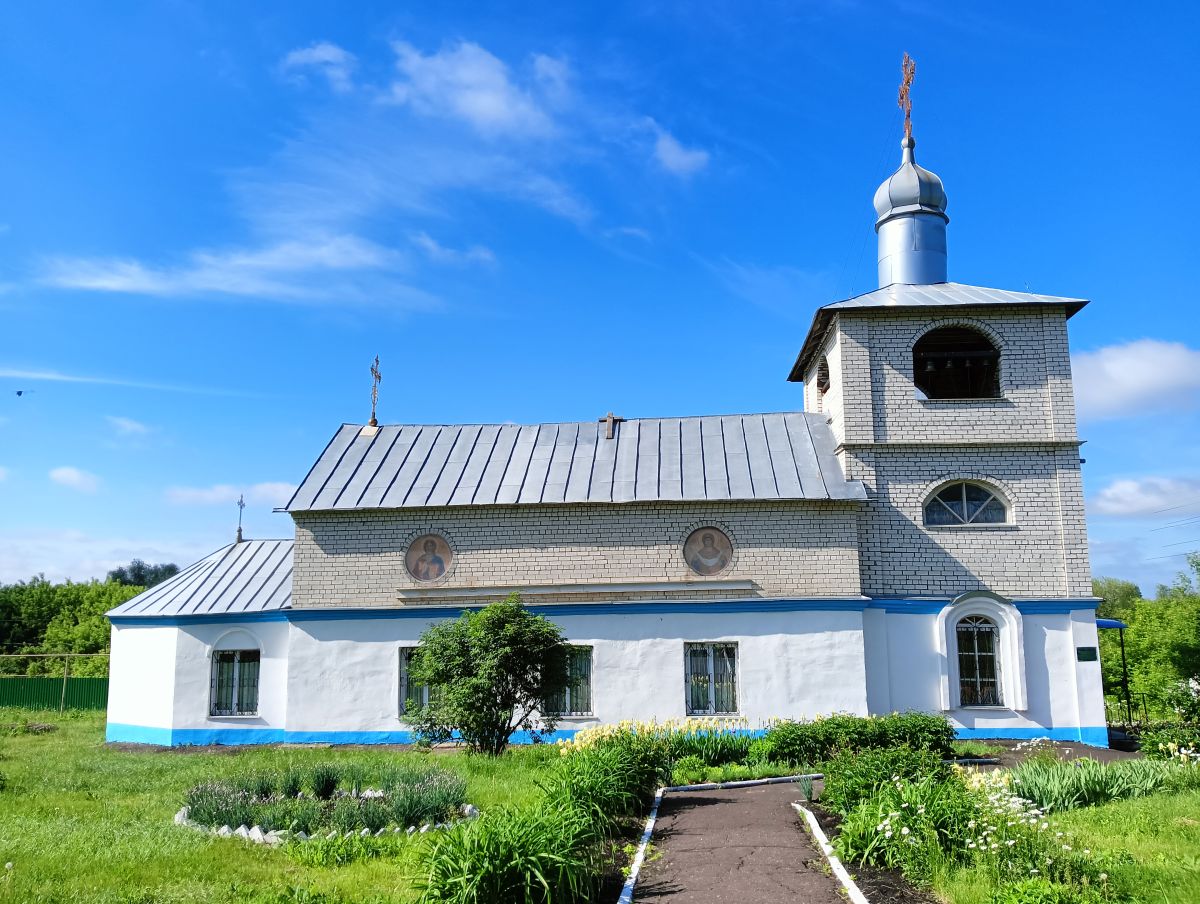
177, 737
1092, 735
910, 606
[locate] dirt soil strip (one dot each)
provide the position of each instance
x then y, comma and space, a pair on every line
742, 845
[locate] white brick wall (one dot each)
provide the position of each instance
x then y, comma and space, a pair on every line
788, 549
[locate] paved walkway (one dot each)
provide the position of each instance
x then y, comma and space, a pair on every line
742, 845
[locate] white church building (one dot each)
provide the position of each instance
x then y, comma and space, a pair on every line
913, 540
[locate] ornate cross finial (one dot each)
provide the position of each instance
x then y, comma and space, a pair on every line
376, 377
908, 69
241, 504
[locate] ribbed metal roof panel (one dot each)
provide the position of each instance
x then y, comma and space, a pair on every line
251, 576
740, 456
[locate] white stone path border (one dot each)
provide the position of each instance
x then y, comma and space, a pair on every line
635, 867
853, 892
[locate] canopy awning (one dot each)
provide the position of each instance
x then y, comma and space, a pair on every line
1110, 623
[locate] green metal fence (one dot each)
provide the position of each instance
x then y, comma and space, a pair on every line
50, 693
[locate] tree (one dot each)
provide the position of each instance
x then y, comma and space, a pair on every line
1119, 596
488, 673
140, 574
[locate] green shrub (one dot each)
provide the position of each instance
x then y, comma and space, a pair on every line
1059, 786
851, 777
759, 751
1157, 742
257, 784
801, 743
536, 855
691, 770
290, 782
219, 803
715, 747
323, 780
600, 784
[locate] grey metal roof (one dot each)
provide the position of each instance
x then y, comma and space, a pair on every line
741, 456
251, 576
935, 295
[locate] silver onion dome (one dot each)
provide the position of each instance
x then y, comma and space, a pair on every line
911, 210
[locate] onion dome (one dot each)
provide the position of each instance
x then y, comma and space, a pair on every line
910, 190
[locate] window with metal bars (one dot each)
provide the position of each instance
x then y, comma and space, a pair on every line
412, 695
978, 662
234, 685
965, 502
710, 678
576, 698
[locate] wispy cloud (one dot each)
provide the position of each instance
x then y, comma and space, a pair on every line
75, 479
75, 555
54, 376
1140, 377
633, 232
127, 426
282, 271
440, 254
788, 291
1144, 497
268, 493
465, 82
673, 156
335, 63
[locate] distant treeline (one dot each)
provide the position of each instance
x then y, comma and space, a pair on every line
1162, 644
37, 616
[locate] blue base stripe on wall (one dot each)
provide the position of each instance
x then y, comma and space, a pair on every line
1095, 736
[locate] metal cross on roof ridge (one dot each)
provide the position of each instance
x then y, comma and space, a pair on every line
908, 69
611, 420
376, 377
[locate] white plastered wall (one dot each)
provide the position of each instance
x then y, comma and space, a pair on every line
344, 673
141, 680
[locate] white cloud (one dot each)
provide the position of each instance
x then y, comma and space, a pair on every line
787, 291
553, 75
440, 254
1146, 496
54, 376
673, 156
63, 554
268, 493
466, 82
1138, 377
283, 271
127, 426
633, 232
333, 62
75, 478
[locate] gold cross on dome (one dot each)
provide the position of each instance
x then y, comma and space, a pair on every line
376, 377
908, 69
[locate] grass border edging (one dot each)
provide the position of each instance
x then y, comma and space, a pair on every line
631, 882
853, 892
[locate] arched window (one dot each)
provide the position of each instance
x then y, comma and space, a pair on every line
823, 376
978, 661
965, 502
955, 362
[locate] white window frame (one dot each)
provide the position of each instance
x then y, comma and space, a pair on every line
934, 497
1010, 649
570, 711
404, 660
710, 647
214, 677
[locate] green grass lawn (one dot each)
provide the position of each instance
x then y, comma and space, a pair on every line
82, 822
1150, 848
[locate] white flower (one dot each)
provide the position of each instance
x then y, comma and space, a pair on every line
904, 831
1104, 877
1010, 842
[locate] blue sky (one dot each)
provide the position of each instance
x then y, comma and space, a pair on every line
212, 217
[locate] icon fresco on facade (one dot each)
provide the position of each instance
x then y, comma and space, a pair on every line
428, 557
708, 551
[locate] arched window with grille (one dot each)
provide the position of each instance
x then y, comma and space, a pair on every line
956, 362
966, 502
978, 661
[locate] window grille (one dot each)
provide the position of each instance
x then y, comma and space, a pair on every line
576, 698
965, 503
978, 662
413, 696
711, 675
234, 685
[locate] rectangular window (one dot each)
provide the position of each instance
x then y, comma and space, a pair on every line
576, 698
711, 676
234, 687
412, 696
978, 675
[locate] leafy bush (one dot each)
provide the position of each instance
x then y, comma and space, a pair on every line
759, 751
1156, 742
801, 743
690, 770
851, 777
533, 856
1059, 786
